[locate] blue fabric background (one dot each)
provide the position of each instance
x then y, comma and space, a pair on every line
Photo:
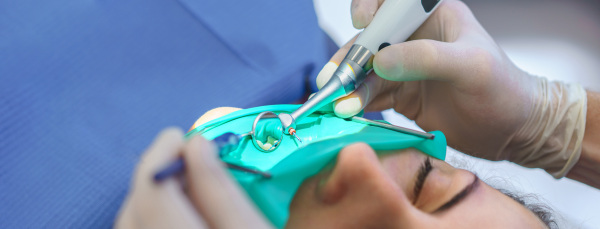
85, 85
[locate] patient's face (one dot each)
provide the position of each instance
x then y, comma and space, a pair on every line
403, 189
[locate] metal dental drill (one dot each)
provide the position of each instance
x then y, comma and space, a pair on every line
394, 22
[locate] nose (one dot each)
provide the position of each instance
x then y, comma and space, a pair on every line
358, 176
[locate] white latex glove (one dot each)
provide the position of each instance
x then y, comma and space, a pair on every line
452, 76
211, 198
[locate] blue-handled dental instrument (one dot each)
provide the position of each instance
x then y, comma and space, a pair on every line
229, 142
226, 143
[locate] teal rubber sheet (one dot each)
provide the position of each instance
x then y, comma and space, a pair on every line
323, 136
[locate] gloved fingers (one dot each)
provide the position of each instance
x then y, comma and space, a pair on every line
329, 68
327, 71
451, 20
164, 206
324, 75
386, 97
341, 53
356, 101
213, 191
126, 216
428, 60
158, 205
363, 12
449, 44
328, 108
165, 148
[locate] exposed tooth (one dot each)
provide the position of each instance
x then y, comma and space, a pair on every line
260, 144
267, 145
271, 140
264, 146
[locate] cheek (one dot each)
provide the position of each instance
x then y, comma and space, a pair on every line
371, 205
305, 210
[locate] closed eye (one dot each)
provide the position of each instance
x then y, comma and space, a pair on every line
423, 172
460, 195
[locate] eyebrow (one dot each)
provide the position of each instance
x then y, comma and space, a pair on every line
423, 172
460, 195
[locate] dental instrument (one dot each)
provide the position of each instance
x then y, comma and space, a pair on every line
393, 127
324, 135
394, 22
229, 142
268, 130
226, 143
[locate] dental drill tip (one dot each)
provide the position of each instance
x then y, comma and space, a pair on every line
293, 132
300, 140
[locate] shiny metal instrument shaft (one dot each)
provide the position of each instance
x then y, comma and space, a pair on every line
394, 128
347, 77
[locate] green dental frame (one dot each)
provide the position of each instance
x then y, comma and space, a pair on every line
323, 134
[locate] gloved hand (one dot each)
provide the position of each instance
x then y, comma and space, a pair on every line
452, 76
210, 198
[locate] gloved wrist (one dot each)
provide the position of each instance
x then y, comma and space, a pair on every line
552, 136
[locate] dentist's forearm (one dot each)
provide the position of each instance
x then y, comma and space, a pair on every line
587, 169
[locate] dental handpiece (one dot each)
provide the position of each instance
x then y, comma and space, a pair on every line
394, 22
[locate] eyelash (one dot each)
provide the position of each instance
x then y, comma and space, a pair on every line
423, 172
